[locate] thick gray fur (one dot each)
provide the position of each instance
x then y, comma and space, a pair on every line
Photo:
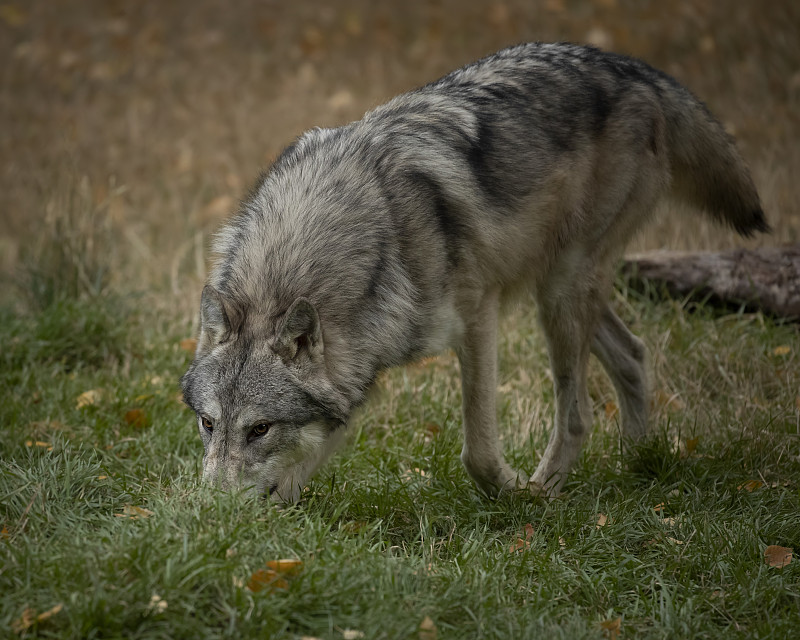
398, 236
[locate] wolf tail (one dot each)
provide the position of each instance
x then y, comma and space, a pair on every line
707, 170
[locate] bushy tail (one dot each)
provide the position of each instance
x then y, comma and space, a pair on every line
707, 170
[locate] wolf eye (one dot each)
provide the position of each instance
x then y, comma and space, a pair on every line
259, 430
207, 424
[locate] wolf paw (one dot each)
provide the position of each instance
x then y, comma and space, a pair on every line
539, 490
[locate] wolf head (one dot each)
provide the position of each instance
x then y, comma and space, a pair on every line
266, 410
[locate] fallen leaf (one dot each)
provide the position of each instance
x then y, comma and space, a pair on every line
102, 477
523, 543
188, 344
691, 444
134, 512
29, 617
601, 520
352, 634
136, 418
611, 410
611, 628
659, 508
562, 543
39, 443
750, 485
674, 540
49, 613
157, 604
89, 398
266, 579
776, 556
433, 429
5, 533
25, 621
783, 350
286, 566
230, 552
427, 629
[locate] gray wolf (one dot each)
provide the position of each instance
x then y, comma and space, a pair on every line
398, 236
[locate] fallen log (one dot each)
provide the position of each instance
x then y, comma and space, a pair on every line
767, 278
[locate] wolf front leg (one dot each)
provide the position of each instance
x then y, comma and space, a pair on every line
482, 453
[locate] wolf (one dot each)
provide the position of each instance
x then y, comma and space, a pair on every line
400, 235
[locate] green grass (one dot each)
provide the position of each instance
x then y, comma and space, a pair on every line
382, 545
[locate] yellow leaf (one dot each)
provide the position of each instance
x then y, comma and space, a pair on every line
776, 556
427, 629
5, 533
286, 566
39, 443
783, 350
49, 613
266, 579
102, 477
691, 444
25, 621
134, 512
750, 485
89, 398
659, 508
601, 520
611, 410
611, 628
188, 344
136, 418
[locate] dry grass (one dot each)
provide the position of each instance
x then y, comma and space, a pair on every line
181, 104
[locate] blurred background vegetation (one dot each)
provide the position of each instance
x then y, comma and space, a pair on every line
131, 129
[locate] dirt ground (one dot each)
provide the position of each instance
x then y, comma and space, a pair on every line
157, 116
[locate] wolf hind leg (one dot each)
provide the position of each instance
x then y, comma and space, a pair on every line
568, 309
622, 355
482, 453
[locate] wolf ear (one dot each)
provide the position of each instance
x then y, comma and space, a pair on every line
300, 334
218, 318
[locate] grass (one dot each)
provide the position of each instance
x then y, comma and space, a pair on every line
382, 545
132, 131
